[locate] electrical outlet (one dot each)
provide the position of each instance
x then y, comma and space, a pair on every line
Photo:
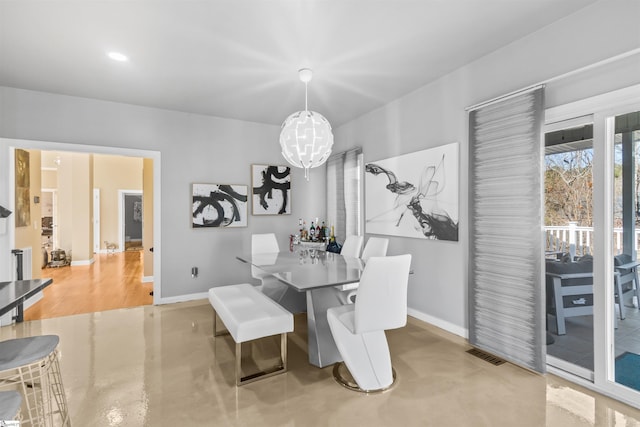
194, 272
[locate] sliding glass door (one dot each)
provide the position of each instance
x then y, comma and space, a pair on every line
569, 249
626, 229
592, 217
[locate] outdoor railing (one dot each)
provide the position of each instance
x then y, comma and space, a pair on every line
560, 239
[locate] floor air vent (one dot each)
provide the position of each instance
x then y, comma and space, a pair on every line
486, 356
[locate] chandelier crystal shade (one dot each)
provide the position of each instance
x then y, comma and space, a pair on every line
306, 138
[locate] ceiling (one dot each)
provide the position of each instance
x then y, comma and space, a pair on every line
240, 58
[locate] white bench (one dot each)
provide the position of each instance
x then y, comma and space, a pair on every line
248, 314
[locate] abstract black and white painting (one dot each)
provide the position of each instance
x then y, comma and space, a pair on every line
414, 195
271, 190
219, 205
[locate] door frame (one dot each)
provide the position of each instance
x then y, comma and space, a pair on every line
552, 125
604, 108
5, 162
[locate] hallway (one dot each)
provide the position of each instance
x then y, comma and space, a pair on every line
111, 282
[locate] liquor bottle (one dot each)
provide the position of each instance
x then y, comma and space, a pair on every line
323, 232
312, 232
332, 236
303, 235
318, 232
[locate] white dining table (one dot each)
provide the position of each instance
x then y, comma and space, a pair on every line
319, 274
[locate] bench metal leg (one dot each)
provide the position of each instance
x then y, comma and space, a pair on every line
275, 370
217, 333
279, 368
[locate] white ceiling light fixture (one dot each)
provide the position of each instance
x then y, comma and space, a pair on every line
117, 56
306, 138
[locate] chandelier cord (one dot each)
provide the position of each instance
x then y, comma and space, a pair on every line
306, 84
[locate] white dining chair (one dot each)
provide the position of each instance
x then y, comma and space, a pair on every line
352, 246
263, 244
359, 329
289, 298
376, 246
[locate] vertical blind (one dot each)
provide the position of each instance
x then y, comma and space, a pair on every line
506, 308
343, 193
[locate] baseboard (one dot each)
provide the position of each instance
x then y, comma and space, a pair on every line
147, 279
182, 298
442, 324
83, 262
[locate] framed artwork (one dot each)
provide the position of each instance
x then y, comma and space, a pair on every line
23, 188
219, 205
270, 190
414, 195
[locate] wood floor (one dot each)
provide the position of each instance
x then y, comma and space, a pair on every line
112, 281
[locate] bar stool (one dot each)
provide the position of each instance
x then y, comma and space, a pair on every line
10, 402
31, 365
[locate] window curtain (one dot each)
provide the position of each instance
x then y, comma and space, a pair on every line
506, 306
344, 193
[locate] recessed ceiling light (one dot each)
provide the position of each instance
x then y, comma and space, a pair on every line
117, 56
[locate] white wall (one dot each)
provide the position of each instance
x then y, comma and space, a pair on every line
435, 115
208, 149
193, 149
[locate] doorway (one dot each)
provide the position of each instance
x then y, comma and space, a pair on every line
626, 227
569, 250
130, 219
613, 122
150, 157
49, 228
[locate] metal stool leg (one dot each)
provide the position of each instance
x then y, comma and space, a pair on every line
57, 389
40, 384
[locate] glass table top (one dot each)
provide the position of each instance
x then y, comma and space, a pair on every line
306, 269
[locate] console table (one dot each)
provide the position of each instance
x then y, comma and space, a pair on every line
14, 294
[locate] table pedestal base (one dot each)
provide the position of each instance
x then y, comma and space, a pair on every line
322, 348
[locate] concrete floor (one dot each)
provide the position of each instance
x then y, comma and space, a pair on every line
160, 366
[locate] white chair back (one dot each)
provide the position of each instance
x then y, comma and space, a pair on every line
352, 246
376, 246
382, 295
264, 247
264, 243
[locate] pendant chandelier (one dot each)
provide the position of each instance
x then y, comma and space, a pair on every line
306, 137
